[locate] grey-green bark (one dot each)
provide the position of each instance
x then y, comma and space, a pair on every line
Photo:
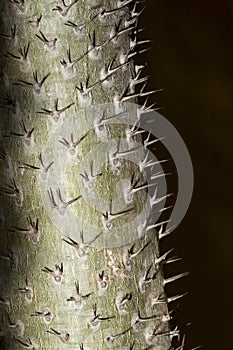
49, 284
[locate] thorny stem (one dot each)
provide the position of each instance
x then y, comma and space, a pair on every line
40, 273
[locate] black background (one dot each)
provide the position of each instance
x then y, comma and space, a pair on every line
192, 61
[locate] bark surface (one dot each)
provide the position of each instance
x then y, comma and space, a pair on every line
74, 289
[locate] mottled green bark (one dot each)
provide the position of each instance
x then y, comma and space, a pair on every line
36, 302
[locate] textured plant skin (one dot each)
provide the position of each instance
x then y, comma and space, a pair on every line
55, 292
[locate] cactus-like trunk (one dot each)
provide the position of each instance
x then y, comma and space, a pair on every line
67, 281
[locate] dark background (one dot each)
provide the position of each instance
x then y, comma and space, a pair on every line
192, 60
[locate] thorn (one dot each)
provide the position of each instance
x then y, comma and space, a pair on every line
12, 191
108, 216
181, 347
72, 145
146, 164
126, 57
96, 320
106, 74
172, 260
165, 233
64, 9
26, 136
162, 258
94, 50
122, 302
126, 97
23, 59
81, 248
116, 32
141, 187
103, 13
102, 281
130, 254
144, 109
147, 279
28, 344
60, 205
42, 170
33, 230
176, 297
79, 298
171, 333
84, 90
174, 278
50, 44
157, 301
90, 179
111, 338
133, 188
159, 175
55, 112
149, 143
143, 228
35, 22
62, 335
130, 132
137, 321
134, 15
134, 42
57, 273
115, 155
47, 316
18, 325
68, 69
154, 200
79, 28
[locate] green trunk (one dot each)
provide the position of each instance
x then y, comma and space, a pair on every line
57, 291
